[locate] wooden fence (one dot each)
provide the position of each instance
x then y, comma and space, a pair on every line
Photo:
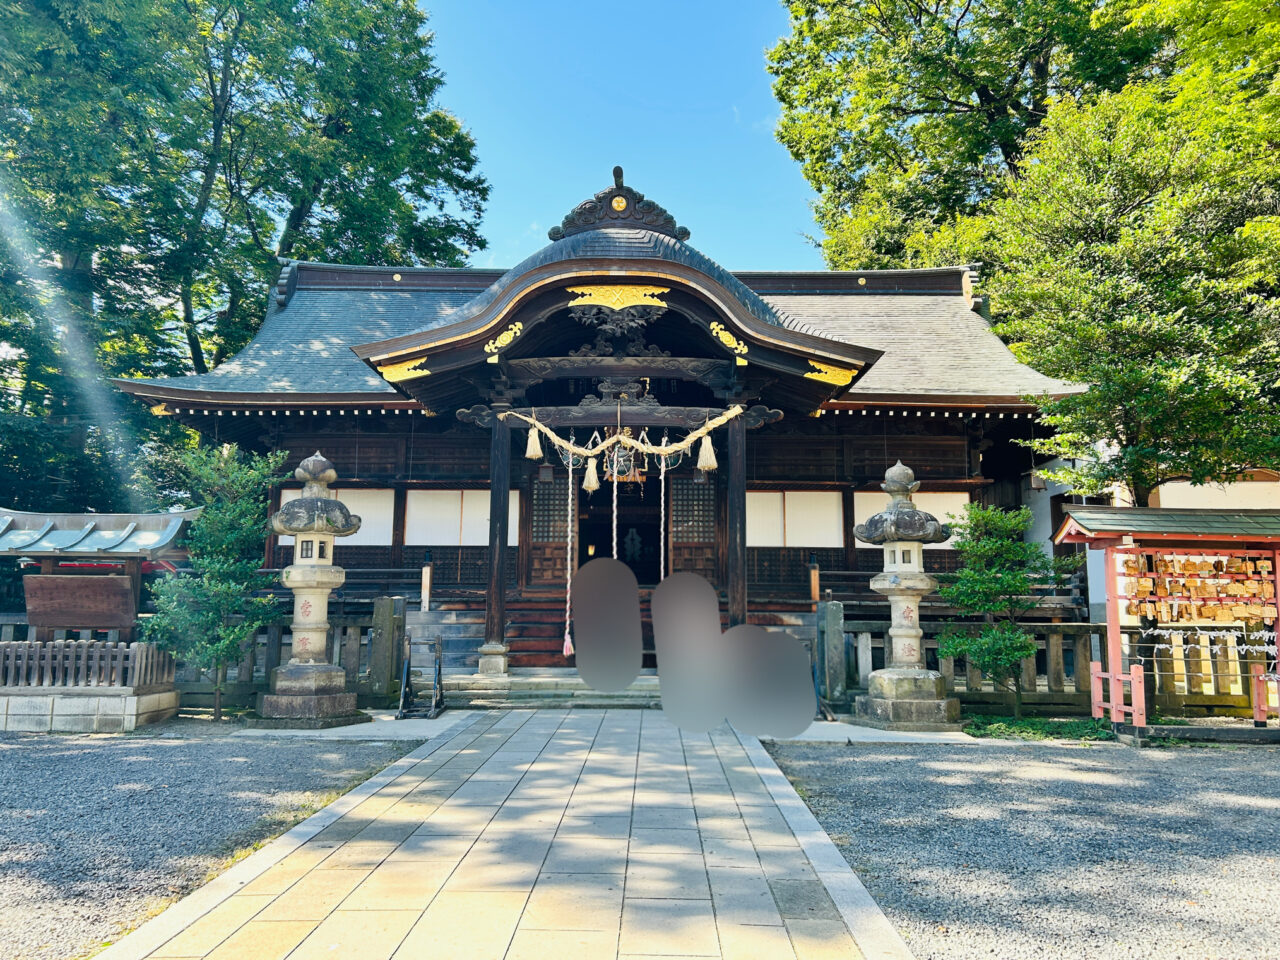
368, 646
14, 627
84, 664
1055, 680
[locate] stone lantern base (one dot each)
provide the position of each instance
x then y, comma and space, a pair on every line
307, 696
901, 698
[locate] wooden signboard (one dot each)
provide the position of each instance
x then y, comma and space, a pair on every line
96, 602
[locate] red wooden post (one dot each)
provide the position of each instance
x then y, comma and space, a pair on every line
1115, 655
1138, 693
1260, 697
1095, 689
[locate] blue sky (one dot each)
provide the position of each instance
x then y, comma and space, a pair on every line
556, 93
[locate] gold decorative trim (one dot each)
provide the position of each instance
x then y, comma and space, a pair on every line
160, 410
504, 339
587, 274
830, 374
405, 370
618, 296
721, 333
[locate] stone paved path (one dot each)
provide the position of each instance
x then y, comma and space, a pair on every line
539, 834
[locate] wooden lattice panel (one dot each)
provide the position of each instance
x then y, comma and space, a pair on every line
549, 511
693, 511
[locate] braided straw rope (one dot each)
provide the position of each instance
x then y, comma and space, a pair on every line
682, 446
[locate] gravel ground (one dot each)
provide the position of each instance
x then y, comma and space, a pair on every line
1057, 850
97, 831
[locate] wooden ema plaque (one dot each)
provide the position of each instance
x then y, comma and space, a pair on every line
84, 601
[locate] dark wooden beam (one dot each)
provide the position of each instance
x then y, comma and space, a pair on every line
632, 414
709, 371
499, 494
736, 522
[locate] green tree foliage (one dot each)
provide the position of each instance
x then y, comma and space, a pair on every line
905, 114
208, 615
999, 573
1136, 254
1125, 206
157, 156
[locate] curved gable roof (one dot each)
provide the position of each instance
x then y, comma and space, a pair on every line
623, 243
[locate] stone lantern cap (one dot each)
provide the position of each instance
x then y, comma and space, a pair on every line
901, 521
316, 511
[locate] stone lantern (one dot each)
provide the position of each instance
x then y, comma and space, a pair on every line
309, 689
905, 694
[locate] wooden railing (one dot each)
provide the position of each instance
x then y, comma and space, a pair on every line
14, 626
1056, 679
853, 588
368, 646
84, 664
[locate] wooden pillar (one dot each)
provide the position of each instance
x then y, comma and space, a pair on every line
1083, 657
736, 521
1115, 650
499, 494
398, 504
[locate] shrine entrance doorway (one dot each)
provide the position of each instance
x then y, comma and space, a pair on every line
640, 534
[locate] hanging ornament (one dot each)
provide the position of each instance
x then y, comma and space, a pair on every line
591, 482
533, 449
567, 456
568, 568
706, 454
671, 460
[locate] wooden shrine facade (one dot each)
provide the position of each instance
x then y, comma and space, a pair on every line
398, 375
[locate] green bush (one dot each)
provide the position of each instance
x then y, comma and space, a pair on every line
999, 573
1038, 728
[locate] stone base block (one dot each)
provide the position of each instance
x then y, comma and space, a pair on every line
898, 683
942, 714
83, 709
275, 706
308, 680
493, 660
304, 723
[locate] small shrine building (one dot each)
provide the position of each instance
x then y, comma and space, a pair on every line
403, 378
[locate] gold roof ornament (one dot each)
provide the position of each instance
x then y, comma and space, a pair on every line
829, 373
502, 340
404, 370
618, 296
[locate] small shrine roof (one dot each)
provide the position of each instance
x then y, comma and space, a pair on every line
88, 536
1086, 524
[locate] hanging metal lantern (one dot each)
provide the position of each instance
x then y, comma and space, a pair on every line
568, 457
672, 460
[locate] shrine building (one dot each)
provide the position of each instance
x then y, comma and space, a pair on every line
404, 378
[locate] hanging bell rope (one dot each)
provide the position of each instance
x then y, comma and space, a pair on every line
533, 449
707, 455
568, 567
634, 443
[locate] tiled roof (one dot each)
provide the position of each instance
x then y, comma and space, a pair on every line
85, 536
933, 344
626, 243
306, 348
1158, 520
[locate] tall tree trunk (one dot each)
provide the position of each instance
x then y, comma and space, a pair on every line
77, 280
190, 329
1141, 493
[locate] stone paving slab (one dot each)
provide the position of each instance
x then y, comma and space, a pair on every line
562, 834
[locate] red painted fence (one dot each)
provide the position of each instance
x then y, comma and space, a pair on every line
1108, 694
